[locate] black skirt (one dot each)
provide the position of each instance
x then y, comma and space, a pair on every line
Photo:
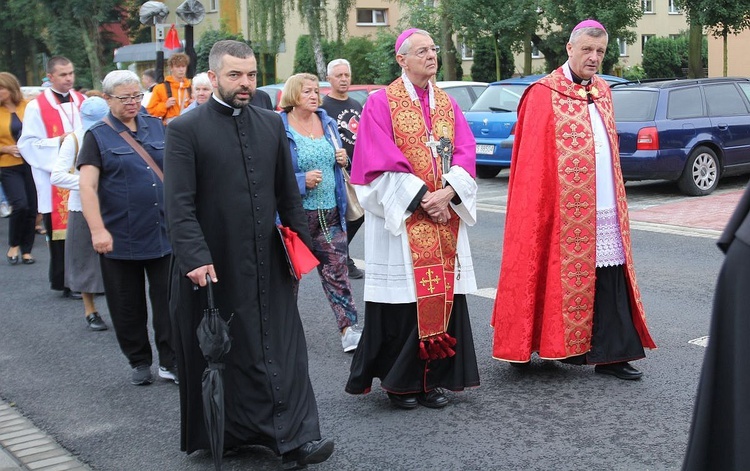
720, 433
389, 350
613, 338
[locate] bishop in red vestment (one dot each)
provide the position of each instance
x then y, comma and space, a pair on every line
567, 286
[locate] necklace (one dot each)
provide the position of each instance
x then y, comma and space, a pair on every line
308, 131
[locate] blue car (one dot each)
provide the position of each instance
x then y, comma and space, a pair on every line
691, 131
493, 117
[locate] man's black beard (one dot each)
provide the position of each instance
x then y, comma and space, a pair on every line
234, 102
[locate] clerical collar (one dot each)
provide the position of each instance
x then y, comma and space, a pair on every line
573, 77
61, 97
235, 111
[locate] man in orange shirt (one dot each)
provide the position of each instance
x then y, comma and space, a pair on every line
168, 99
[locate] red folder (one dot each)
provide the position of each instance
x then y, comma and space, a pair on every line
298, 256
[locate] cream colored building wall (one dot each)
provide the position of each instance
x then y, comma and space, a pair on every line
738, 59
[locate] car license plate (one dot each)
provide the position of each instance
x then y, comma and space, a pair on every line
485, 149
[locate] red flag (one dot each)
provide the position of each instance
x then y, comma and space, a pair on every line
172, 41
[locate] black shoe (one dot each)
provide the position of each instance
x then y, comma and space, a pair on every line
434, 399
310, 453
520, 365
67, 293
354, 272
403, 401
95, 322
12, 260
620, 370
28, 261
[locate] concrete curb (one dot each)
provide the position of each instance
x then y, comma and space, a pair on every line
25, 447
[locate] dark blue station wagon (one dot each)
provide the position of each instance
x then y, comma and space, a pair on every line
691, 131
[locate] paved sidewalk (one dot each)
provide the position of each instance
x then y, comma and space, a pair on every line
25, 447
710, 212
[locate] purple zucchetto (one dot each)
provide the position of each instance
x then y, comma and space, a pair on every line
404, 36
589, 24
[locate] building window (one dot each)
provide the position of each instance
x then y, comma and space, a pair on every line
213, 5
644, 40
372, 17
467, 52
648, 6
623, 46
535, 54
673, 8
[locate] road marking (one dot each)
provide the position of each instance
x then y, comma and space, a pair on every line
636, 225
700, 341
488, 293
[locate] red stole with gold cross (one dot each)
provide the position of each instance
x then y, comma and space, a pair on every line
433, 245
54, 126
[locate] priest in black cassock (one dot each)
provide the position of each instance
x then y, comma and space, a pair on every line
720, 434
227, 172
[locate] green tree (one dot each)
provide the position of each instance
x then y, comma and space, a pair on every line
662, 59
21, 25
696, 57
207, 41
483, 69
511, 26
724, 17
617, 17
356, 51
383, 59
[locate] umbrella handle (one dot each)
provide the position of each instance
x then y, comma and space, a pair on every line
210, 288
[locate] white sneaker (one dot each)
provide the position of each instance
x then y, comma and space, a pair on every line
350, 339
5, 209
169, 374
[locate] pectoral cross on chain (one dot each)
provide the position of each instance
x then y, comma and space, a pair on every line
433, 145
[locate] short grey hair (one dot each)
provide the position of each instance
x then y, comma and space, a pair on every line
117, 78
227, 47
406, 45
593, 32
335, 62
202, 79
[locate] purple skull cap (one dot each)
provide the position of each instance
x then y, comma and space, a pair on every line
589, 24
404, 36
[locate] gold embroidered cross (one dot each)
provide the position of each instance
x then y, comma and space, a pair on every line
577, 239
577, 205
578, 274
574, 134
578, 308
576, 170
430, 281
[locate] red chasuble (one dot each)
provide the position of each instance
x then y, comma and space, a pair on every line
433, 245
54, 126
545, 296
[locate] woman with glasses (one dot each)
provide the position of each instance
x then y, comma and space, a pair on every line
122, 196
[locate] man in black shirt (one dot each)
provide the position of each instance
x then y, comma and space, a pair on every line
346, 111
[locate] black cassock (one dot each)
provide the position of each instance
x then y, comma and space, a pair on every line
720, 433
224, 179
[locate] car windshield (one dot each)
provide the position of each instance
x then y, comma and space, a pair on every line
500, 98
634, 105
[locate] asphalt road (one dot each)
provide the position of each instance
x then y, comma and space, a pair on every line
74, 384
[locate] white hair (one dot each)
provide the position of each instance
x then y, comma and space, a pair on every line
202, 79
119, 77
335, 62
406, 45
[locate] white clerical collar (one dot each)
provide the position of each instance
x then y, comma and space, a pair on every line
413, 93
60, 93
569, 74
235, 111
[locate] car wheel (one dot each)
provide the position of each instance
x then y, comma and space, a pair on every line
701, 174
487, 172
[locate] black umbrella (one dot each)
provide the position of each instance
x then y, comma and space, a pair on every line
214, 340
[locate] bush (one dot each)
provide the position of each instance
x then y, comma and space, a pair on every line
207, 41
662, 59
383, 60
356, 51
634, 73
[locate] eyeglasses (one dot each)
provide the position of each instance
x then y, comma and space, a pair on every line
129, 99
422, 51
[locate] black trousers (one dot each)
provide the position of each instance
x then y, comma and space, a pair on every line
56, 256
18, 183
125, 290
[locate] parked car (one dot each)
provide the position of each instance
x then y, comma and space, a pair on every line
465, 93
493, 117
690, 131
